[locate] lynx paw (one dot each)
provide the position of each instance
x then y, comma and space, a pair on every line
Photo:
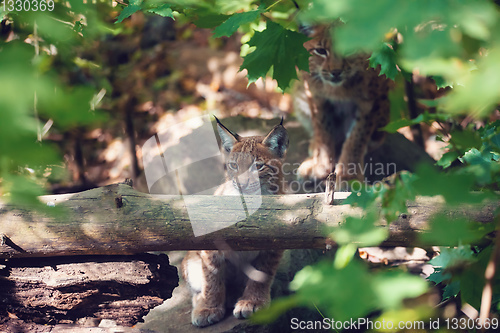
202, 317
245, 308
309, 170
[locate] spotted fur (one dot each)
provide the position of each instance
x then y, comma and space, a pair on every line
252, 163
348, 103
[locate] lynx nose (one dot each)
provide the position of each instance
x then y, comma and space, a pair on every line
336, 75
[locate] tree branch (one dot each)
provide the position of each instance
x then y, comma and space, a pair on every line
116, 219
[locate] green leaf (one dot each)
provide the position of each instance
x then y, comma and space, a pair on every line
455, 188
439, 275
344, 255
392, 287
448, 260
393, 126
465, 139
162, 10
205, 16
363, 198
430, 42
451, 290
275, 309
482, 165
360, 230
478, 94
279, 49
386, 59
353, 291
472, 279
229, 27
426, 117
441, 82
343, 293
448, 158
450, 257
22, 190
446, 230
395, 196
127, 12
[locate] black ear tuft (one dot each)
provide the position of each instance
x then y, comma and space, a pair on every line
277, 140
306, 29
227, 138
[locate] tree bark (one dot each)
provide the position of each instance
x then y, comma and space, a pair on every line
116, 219
64, 290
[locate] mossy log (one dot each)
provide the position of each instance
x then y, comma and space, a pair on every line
117, 220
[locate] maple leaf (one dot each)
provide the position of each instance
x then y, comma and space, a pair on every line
277, 48
386, 58
162, 10
127, 12
229, 27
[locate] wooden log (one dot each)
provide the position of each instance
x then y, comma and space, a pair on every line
116, 219
63, 290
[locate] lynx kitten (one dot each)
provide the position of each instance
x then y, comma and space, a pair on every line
210, 272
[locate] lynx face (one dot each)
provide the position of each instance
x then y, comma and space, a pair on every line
254, 163
327, 67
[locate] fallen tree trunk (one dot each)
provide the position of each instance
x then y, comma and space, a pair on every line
116, 219
64, 290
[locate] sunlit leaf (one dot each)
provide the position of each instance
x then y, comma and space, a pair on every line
162, 10
363, 198
279, 49
448, 158
479, 92
449, 257
396, 195
360, 230
275, 309
393, 126
344, 293
455, 188
392, 287
446, 230
229, 27
127, 12
386, 59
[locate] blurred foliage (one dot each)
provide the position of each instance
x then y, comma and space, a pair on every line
38, 55
456, 42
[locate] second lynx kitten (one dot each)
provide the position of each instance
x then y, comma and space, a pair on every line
208, 272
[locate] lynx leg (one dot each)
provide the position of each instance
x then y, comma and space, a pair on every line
351, 164
257, 293
204, 271
318, 166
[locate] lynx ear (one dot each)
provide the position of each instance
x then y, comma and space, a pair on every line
227, 138
277, 140
307, 29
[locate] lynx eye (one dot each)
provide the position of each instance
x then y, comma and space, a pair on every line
233, 166
320, 52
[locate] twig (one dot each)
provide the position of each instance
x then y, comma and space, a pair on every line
489, 275
4, 240
330, 188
